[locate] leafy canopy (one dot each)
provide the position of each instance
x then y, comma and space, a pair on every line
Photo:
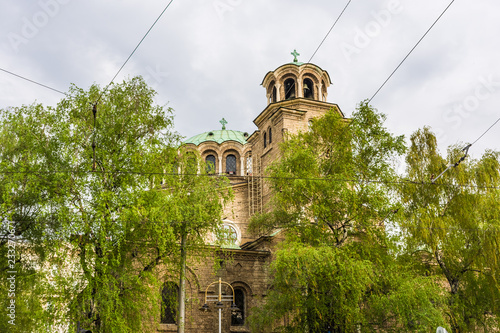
110, 232
337, 270
455, 225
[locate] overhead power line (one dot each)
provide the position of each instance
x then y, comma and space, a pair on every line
466, 150
328, 33
135, 49
413, 48
402, 61
32, 81
402, 181
324, 38
94, 106
107, 87
491, 228
486, 131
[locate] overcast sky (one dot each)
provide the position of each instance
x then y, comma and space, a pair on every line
206, 59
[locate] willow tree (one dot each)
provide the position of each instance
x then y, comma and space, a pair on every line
336, 272
99, 204
453, 225
26, 188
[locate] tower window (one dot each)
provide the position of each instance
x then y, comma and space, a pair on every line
272, 93
231, 164
238, 317
169, 295
270, 135
265, 139
210, 161
308, 89
289, 88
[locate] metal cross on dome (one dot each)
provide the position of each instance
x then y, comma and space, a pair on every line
295, 54
223, 122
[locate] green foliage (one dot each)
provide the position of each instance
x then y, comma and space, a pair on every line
338, 269
456, 223
316, 287
327, 176
110, 230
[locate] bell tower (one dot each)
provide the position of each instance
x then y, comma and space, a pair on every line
296, 93
296, 80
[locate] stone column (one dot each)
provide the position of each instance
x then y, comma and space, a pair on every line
220, 165
300, 89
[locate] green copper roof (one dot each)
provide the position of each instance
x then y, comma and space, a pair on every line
219, 136
230, 246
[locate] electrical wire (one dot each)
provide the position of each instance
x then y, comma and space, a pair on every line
94, 106
107, 87
466, 150
173, 223
328, 33
93, 221
485, 131
320, 44
345, 180
135, 49
404, 59
32, 81
413, 48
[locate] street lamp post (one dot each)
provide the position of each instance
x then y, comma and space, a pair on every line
220, 298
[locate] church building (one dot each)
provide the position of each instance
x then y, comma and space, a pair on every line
296, 93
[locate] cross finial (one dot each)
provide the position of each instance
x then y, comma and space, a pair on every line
295, 54
223, 122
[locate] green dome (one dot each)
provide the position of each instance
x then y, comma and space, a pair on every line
219, 136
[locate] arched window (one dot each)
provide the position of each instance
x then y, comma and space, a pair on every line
270, 135
191, 163
249, 164
310, 125
231, 164
265, 139
238, 317
169, 296
210, 161
273, 95
230, 235
175, 167
308, 88
289, 88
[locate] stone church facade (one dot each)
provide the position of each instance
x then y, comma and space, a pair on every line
296, 93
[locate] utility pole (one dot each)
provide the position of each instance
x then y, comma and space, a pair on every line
181, 322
